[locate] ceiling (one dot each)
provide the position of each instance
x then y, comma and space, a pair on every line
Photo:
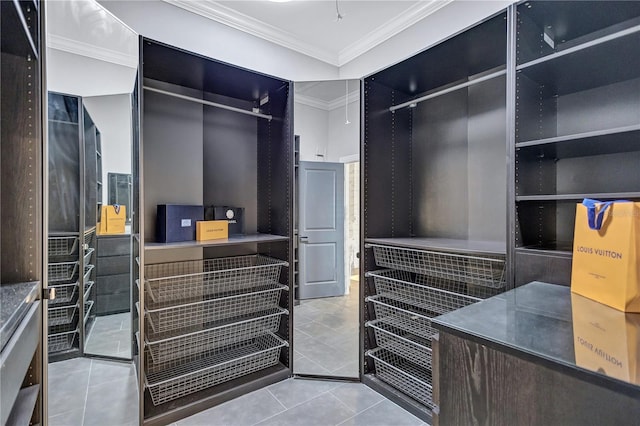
311, 27
89, 51
327, 95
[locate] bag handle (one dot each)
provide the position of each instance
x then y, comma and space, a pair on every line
595, 219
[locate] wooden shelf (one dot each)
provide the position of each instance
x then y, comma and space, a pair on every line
599, 142
578, 197
607, 60
232, 240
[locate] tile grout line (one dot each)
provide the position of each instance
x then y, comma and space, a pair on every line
86, 394
276, 398
294, 406
358, 413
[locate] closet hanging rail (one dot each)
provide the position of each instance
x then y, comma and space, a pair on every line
213, 104
448, 90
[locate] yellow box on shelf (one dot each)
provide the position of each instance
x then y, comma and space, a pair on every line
212, 230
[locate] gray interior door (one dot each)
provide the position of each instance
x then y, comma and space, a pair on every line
321, 248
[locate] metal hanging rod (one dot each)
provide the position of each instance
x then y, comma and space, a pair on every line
213, 104
413, 102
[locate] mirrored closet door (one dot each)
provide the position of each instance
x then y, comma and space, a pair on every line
326, 312
92, 61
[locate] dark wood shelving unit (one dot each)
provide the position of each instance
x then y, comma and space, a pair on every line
237, 149
577, 123
432, 125
22, 265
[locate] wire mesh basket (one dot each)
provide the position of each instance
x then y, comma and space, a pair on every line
89, 237
410, 379
62, 246
173, 282
88, 305
65, 294
61, 341
167, 347
162, 320
87, 256
213, 368
401, 342
403, 315
88, 285
488, 271
61, 316
62, 271
88, 269
434, 294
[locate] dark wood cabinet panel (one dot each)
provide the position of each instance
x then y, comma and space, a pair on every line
479, 385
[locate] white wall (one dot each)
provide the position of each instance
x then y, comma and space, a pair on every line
312, 125
344, 139
83, 76
112, 115
177, 27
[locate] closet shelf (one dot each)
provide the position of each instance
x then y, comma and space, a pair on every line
232, 240
598, 142
579, 197
583, 46
593, 64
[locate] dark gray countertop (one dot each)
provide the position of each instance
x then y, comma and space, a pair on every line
546, 323
14, 304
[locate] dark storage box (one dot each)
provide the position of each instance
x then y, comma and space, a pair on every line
177, 222
234, 215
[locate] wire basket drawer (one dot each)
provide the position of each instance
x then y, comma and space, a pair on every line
61, 341
88, 269
410, 379
214, 368
62, 271
89, 237
167, 282
87, 256
61, 316
433, 294
401, 342
403, 315
62, 246
65, 294
168, 347
488, 271
181, 317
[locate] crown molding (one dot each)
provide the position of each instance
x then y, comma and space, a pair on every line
394, 26
231, 18
326, 105
213, 10
91, 51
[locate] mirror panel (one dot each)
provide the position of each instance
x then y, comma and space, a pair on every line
326, 313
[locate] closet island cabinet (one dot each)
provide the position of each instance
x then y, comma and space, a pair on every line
214, 316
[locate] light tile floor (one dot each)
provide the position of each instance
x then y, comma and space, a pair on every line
104, 393
326, 335
110, 335
85, 391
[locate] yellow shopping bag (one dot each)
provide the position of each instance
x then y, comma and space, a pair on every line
606, 340
606, 253
112, 219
